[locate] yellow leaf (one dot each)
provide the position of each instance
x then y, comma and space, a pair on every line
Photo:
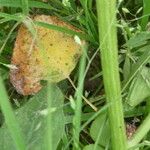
49, 55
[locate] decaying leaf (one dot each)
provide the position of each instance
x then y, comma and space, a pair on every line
50, 55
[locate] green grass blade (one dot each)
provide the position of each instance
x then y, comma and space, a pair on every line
73, 5
10, 119
4, 20
109, 57
78, 106
146, 12
102, 110
65, 30
89, 21
31, 4
25, 7
16, 17
9, 34
36, 4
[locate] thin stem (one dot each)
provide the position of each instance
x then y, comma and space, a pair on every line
10, 119
109, 57
78, 107
84, 98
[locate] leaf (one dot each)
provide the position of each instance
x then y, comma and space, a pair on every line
136, 67
47, 55
100, 127
140, 87
138, 40
32, 119
146, 10
126, 68
91, 147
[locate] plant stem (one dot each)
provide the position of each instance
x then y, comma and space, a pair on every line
10, 119
106, 10
140, 133
78, 106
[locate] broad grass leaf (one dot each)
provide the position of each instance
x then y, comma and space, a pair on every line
140, 87
100, 128
32, 119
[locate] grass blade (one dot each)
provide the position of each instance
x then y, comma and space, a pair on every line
31, 4
78, 106
89, 21
65, 30
146, 12
9, 34
16, 17
25, 7
10, 119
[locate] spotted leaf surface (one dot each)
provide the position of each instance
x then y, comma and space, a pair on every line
48, 55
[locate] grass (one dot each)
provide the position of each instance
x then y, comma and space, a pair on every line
10, 119
100, 84
78, 103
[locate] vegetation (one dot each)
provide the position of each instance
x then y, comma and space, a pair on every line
104, 103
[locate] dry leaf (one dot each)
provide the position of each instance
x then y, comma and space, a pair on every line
51, 56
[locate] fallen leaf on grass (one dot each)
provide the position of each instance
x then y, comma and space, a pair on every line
49, 55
